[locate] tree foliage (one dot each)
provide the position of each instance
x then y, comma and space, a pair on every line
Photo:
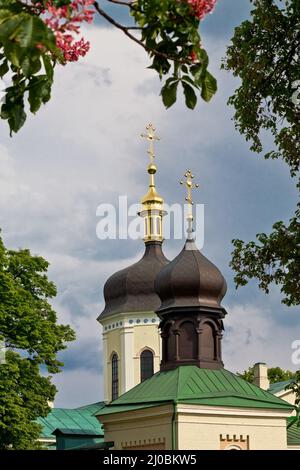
36, 36
29, 67
265, 55
294, 386
170, 35
274, 259
32, 339
275, 374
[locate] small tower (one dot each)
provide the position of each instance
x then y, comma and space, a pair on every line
131, 340
152, 203
191, 289
193, 403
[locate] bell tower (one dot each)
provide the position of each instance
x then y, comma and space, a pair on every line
191, 289
131, 340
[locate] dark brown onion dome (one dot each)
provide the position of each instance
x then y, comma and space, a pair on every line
132, 288
190, 281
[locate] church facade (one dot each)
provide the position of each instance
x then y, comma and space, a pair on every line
165, 385
173, 392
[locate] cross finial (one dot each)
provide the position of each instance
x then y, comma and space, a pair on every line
151, 137
189, 186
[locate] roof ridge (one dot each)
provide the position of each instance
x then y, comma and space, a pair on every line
241, 395
89, 404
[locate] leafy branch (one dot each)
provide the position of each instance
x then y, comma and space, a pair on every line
32, 45
274, 259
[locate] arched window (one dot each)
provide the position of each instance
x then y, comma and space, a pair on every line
187, 341
114, 377
207, 348
233, 447
146, 364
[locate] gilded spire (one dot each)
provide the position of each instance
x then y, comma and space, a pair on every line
152, 203
189, 187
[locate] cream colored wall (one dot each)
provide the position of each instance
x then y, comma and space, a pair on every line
202, 430
113, 344
128, 340
149, 428
146, 337
287, 395
197, 428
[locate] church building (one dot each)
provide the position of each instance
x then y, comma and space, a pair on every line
165, 385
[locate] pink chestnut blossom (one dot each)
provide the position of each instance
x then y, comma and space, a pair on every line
65, 22
202, 7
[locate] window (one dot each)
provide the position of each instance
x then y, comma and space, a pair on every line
187, 341
207, 348
146, 364
114, 377
233, 448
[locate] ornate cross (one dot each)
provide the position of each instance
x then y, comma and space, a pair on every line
151, 137
190, 186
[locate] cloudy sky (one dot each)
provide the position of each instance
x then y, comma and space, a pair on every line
84, 149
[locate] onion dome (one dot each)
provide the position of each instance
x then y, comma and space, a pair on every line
191, 289
190, 280
132, 288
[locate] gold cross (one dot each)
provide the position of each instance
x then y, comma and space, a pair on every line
151, 137
189, 186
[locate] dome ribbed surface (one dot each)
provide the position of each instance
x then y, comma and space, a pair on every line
132, 288
190, 280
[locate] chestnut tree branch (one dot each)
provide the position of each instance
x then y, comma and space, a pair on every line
126, 29
119, 2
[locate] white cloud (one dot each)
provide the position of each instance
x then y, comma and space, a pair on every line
77, 388
253, 335
83, 148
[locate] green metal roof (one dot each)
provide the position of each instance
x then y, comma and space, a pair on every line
293, 433
279, 386
96, 446
82, 418
192, 385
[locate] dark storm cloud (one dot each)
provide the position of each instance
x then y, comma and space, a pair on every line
84, 148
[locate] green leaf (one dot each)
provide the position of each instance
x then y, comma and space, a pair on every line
39, 92
31, 65
209, 87
204, 58
168, 93
15, 115
186, 78
161, 65
3, 68
11, 5
9, 25
14, 53
32, 32
48, 66
190, 95
196, 70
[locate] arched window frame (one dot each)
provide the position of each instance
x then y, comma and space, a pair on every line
233, 447
144, 373
114, 376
